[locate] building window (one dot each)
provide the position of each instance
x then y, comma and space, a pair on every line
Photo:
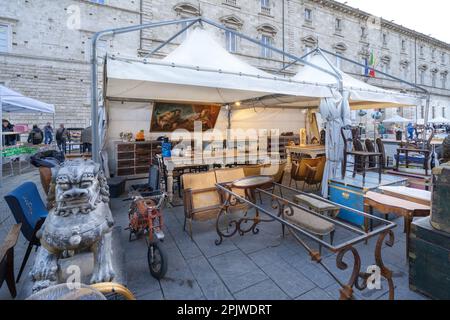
184, 35
231, 41
308, 15
422, 76
4, 38
433, 54
421, 51
307, 50
338, 24
385, 39
363, 33
266, 52
444, 80
443, 58
433, 79
403, 44
265, 7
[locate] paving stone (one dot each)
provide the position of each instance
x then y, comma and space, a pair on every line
265, 290
209, 281
237, 270
290, 280
315, 294
154, 295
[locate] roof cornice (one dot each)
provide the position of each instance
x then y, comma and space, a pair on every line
357, 13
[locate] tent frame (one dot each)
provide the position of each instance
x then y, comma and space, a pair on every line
190, 23
200, 20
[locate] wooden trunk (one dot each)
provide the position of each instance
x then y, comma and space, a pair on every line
440, 215
429, 260
350, 193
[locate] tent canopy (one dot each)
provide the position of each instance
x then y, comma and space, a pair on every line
439, 120
12, 101
200, 70
362, 95
397, 119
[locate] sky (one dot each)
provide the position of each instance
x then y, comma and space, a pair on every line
430, 17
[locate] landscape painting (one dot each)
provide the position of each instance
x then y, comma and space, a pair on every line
168, 117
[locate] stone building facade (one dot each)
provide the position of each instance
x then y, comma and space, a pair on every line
45, 45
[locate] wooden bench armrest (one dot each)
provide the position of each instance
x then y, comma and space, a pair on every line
10, 240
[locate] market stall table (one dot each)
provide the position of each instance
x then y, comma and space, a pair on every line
222, 159
407, 151
409, 194
385, 204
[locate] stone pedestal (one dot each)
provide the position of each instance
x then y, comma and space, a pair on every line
84, 263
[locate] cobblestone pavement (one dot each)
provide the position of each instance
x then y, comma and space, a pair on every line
262, 266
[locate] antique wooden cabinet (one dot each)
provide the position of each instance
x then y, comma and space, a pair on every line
429, 260
134, 158
440, 216
350, 192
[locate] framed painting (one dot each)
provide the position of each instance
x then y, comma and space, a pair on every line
168, 117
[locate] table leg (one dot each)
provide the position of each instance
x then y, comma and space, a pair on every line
170, 184
380, 169
407, 159
363, 159
408, 221
398, 161
344, 166
425, 165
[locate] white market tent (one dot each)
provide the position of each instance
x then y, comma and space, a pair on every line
439, 120
397, 119
361, 94
14, 102
200, 70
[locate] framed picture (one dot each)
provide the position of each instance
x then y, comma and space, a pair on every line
168, 117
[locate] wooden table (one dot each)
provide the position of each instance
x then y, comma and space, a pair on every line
311, 150
385, 204
409, 194
406, 151
365, 158
222, 159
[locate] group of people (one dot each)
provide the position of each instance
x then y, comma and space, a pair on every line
38, 136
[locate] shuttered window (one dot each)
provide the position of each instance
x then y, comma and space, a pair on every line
4, 38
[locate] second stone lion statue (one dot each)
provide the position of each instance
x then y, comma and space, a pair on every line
81, 220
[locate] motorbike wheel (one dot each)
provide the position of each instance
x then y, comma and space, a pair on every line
157, 261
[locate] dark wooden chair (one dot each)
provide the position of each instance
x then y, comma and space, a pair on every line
370, 147
358, 146
29, 210
386, 161
7, 259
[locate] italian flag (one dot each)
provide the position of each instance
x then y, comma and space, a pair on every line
372, 65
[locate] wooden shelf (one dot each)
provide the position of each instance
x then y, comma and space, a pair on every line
134, 158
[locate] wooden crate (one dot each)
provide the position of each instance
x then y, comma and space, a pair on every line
429, 260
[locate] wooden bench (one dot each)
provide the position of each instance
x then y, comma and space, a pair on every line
317, 205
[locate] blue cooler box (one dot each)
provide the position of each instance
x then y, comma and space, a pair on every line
350, 192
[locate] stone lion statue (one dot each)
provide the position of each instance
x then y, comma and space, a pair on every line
80, 221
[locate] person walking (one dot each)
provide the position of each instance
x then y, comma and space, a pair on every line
36, 135
48, 134
86, 139
62, 135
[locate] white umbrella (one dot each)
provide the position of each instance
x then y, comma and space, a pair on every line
439, 120
397, 119
332, 111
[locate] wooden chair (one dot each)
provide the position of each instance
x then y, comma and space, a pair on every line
314, 173
7, 259
200, 197
277, 172
358, 146
305, 171
29, 210
370, 147
230, 175
381, 149
252, 170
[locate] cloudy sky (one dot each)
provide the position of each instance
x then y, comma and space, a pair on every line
429, 17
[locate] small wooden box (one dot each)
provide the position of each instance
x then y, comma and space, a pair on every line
429, 260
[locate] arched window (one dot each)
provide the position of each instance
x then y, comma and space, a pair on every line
434, 73
386, 63
422, 69
309, 43
268, 33
444, 76
185, 10
231, 40
340, 49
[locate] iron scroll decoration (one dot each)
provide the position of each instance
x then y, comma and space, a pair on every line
357, 279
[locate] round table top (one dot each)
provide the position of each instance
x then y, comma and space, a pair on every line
252, 182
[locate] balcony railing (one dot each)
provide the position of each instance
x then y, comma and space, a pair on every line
265, 10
